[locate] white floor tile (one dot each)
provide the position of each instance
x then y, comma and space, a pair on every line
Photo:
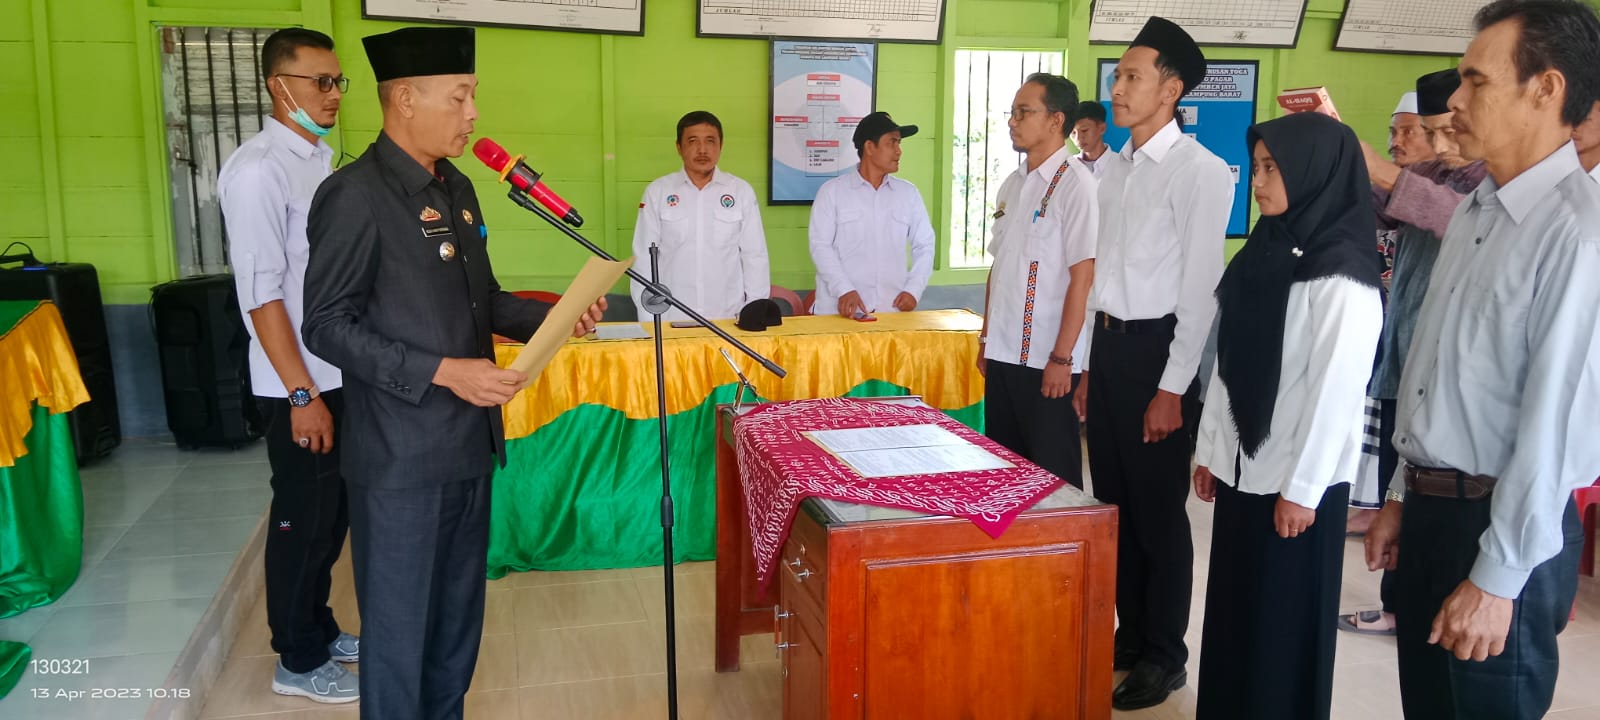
94, 631
154, 578
178, 504
168, 538
255, 474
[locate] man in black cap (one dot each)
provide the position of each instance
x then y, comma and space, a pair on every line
861, 223
401, 297
1420, 199
1164, 205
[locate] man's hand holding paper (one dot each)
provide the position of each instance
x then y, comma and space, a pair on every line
571, 312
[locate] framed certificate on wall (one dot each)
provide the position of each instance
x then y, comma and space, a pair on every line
622, 17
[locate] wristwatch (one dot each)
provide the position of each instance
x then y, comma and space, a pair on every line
1393, 495
983, 339
301, 397
1057, 359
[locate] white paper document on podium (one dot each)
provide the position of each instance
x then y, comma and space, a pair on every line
597, 277
905, 450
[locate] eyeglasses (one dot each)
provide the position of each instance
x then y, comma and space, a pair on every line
1021, 113
325, 83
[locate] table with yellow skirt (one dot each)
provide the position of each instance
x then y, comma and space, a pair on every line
582, 485
41, 499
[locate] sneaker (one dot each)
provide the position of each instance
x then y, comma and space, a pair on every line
329, 683
346, 648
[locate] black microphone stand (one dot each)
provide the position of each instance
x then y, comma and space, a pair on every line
657, 299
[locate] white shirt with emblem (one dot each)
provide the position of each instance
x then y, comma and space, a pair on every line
1033, 257
713, 248
859, 239
265, 190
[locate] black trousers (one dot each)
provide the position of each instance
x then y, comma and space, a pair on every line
421, 557
1388, 460
1267, 648
1438, 545
1149, 484
310, 515
1018, 416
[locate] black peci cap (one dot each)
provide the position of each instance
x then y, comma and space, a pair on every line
419, 51
1434, 91
1165, 37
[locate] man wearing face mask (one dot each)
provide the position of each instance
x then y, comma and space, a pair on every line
400, 295
1419, 199
265, 190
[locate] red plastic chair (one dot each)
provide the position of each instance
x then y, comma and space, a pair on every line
791, 297
1587, 498
540, 295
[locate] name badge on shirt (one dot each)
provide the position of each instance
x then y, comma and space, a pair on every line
429, 232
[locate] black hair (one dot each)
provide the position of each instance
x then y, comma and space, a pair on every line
1167, 69
1560, 35
698, 117
1091, 110
281, 46
1060, 96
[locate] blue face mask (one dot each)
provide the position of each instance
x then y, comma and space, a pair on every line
301, 118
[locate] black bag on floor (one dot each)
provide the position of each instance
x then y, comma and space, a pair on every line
205, 362
75, 290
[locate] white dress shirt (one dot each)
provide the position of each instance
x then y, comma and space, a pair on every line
1098, 165
1331, 328
1503, 377
859, 236
1595, 173
265, 190
713, 249
1033, 257
1163, 218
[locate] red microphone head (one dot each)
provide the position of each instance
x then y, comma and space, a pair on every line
491, 154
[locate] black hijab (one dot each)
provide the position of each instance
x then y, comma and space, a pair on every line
1327, 231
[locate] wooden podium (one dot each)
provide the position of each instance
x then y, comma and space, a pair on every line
884, 613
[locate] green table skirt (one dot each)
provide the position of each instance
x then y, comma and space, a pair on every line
584, 491
41, 530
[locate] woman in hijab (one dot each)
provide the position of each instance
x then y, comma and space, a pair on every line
1280, 440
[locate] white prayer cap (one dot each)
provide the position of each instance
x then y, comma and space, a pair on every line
1408, 104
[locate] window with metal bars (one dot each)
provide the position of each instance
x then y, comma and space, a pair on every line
985, 83
213, 101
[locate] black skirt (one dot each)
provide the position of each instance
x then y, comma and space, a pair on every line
1267, 647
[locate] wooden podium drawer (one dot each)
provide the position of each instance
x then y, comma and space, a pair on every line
804, 562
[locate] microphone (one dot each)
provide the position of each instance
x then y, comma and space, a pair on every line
524, 178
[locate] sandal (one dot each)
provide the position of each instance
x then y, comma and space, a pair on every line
1366, 622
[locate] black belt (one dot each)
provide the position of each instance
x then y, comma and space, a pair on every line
1447, 483
1118, 326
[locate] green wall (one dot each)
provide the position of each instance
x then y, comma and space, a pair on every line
80, 81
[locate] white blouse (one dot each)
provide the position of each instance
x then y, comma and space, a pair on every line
1330, 336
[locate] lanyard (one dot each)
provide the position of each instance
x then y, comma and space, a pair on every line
1051, 190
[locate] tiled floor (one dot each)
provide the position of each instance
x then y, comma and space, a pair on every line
161, 529
164, 526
